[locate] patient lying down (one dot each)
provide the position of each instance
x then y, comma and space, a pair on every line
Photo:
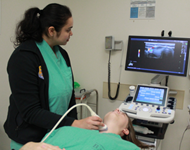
120, 135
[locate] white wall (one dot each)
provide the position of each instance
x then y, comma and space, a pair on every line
93, 20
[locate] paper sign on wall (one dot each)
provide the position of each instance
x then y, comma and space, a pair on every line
142, 9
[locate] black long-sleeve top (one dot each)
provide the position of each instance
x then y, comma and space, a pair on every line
29, 117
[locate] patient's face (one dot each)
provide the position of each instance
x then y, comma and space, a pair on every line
116, 117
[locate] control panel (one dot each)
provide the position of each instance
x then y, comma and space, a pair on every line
150, 103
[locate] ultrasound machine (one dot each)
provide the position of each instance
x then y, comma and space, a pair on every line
150, 106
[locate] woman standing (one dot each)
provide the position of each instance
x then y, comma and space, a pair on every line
41, 78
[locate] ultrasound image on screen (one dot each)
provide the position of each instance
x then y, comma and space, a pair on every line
159, 50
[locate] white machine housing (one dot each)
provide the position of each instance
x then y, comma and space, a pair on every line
149, 103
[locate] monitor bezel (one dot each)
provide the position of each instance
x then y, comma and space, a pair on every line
184, 74
166, 89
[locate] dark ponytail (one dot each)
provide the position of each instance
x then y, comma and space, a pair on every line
36, 22
29, 27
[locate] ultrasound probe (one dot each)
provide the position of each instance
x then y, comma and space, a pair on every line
101, 128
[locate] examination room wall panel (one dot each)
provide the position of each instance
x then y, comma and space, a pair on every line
11, 12
93, 20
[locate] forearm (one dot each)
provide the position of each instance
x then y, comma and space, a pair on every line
39, 146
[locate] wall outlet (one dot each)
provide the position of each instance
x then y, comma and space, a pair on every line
188, 127
188, 107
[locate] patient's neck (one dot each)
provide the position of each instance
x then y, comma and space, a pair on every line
111, 128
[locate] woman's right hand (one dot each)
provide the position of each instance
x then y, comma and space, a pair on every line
88, 123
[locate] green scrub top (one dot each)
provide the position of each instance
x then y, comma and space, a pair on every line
60, 78
72, 138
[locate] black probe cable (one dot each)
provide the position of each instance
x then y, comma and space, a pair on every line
109, 88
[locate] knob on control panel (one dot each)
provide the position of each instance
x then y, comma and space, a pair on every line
158, 108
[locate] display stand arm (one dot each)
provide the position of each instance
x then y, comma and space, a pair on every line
157, 79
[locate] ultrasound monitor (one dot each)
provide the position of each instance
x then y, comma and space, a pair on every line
160, 55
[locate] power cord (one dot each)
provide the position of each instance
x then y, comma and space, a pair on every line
182, 137
188, 127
